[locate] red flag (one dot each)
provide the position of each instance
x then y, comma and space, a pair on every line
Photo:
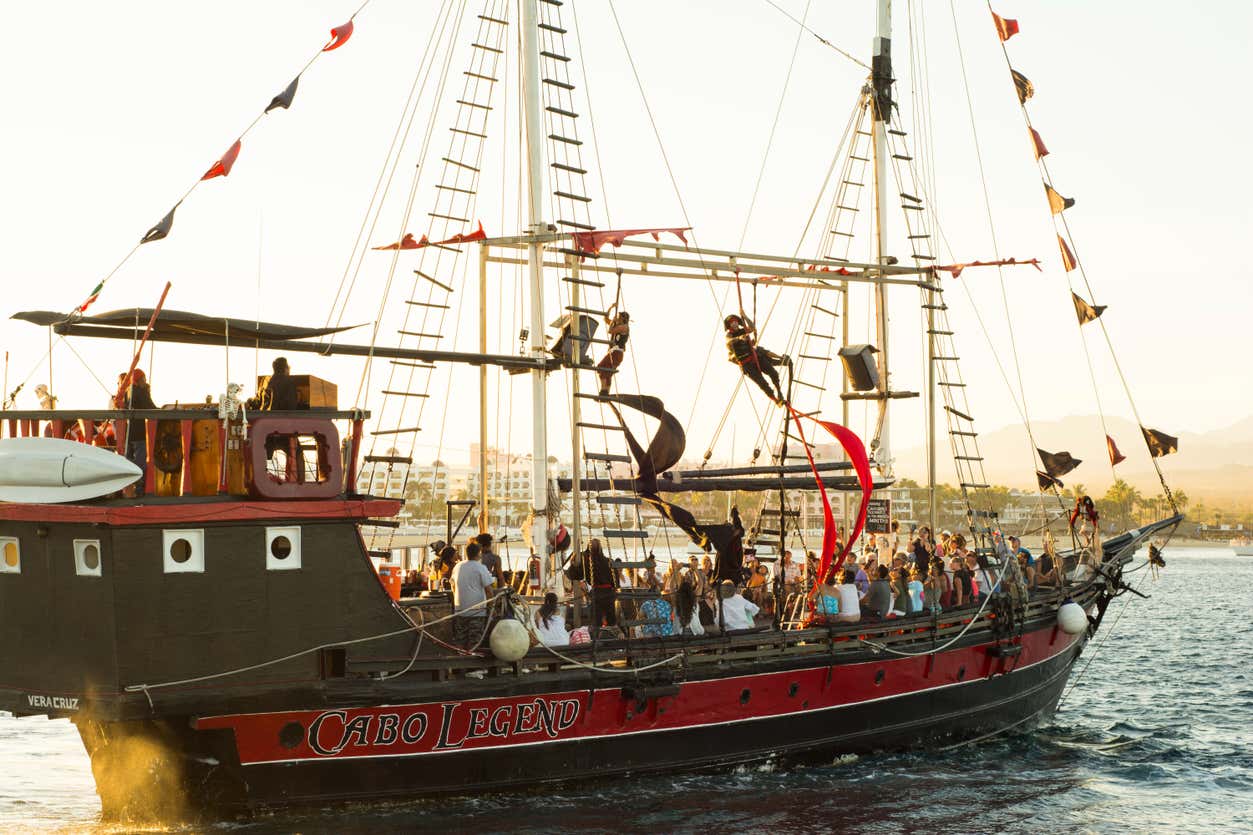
223, 166
591, 242
339, 36
956, 269
856, 452
1115, 457
1040, 150
407, 242
468, 237
1068, 257
1005, 27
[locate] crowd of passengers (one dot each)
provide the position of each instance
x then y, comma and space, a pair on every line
889, 578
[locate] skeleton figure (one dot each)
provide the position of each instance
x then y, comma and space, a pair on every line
231, 407
46, 399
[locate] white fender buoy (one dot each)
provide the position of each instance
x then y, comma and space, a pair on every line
1071, 618
510, 641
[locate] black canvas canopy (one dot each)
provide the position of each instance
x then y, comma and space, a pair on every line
173, 323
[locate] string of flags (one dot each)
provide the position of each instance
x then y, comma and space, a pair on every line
222, 167
1058, 464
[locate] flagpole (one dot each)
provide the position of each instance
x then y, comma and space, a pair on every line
881, 81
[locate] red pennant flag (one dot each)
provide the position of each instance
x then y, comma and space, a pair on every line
1068, 257
1040, 150
1005, 27
407, 242
591, 242
223, 166
339, 36
468, 237
1115, 457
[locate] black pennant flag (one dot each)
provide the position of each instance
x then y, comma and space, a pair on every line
162, 229
1159, 442
1057, 203
1086, 312
1046, 481
1057, 464
284, 99
1023, 85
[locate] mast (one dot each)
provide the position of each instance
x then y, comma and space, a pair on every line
484, 521
533, 118
881, 81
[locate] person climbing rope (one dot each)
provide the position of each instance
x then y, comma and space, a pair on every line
619, 333
756, 362
1085, 514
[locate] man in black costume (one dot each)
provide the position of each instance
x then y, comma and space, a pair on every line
756, 362
279, 394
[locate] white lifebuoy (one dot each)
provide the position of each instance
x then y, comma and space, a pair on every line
510, 641
1071, 618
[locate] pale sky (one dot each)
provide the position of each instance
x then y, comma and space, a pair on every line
113, 110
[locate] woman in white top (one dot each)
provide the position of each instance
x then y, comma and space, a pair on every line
549, 626
686, 610
850, 605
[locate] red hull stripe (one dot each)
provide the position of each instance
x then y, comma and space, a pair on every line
195, 512
449, 726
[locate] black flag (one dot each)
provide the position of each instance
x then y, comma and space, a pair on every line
1057, 464
162, 229
284, 99
1046, 481
1086, 312
1023, 85
1159, 442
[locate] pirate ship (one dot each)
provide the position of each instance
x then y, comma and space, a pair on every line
224, 642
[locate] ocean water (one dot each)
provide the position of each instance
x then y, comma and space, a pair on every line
1157, 737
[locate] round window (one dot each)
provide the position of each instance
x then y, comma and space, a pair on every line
91, 557
10, 554
180, 550
280, 547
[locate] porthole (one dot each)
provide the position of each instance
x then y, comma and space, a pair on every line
87, 557
282, 548
291, 735
10, 555
745, 695
878, 678
183, 551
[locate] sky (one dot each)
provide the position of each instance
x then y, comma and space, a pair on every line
113, 111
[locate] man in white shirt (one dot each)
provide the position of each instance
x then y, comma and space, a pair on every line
737, 613
471, 582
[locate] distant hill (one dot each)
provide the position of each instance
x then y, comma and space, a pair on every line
1210, 466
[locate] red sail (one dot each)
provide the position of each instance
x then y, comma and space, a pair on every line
223, 166
339, 36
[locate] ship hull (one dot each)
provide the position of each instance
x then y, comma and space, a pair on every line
540, 735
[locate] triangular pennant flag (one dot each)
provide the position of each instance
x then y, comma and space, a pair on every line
1057, 203
339, 36
223, 166
284, 99
95, 294
1086, 312
1040, 150
1046, 481
1057, 464
162, 229
1023, 85
407, 242
1068, 257
1005, 27
1159, 442
466, 237
1115, 457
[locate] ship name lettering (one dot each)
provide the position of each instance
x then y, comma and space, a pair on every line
524, 722
499, 725
478, 722
445, 722
53, 702
386, 733
315, 733
414, 728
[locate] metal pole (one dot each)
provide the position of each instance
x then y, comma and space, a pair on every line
576, 415
533, 118
483, 519
881, 81
931, 298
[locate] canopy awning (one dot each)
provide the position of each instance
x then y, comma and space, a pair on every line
175, 323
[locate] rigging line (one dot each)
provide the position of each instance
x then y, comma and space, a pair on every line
987, 203
86, 365
378, 320
778, 112
821, 39
404, 123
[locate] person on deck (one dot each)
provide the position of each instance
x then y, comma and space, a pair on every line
471, 582
963, 587
489, 558
137, 395
861, 578
737, 613
603, 587
619, 333
550, 624
1048, 568
877, 601
279, 394
686, 610
660, 610
756, 362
